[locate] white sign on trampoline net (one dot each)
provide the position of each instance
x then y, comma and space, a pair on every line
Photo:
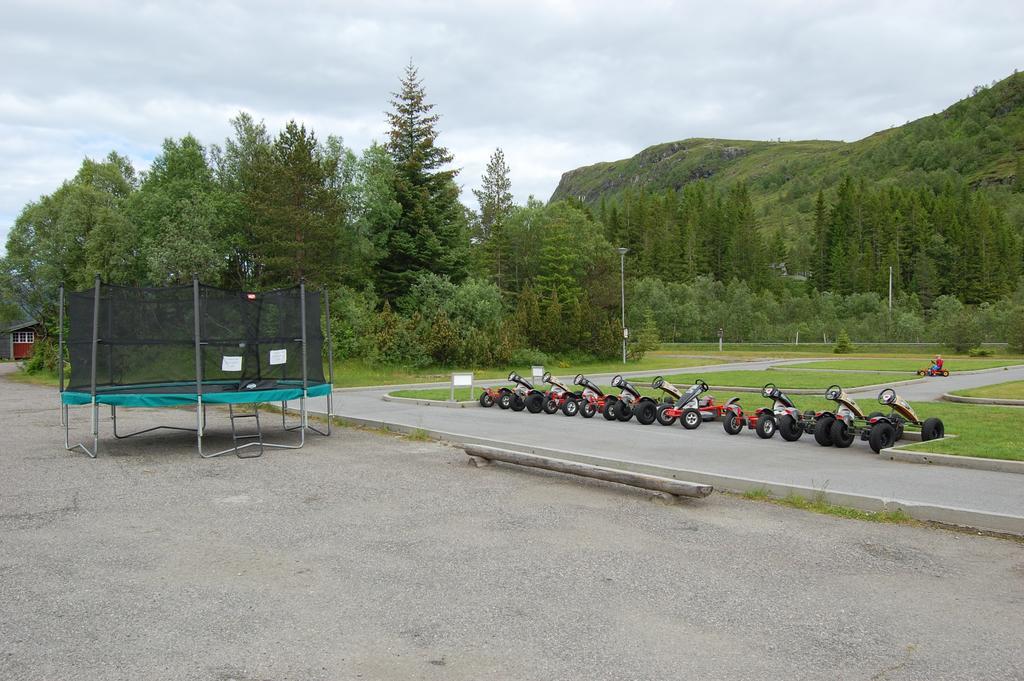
231, 363
278, 357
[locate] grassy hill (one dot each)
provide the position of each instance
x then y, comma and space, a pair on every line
980, 140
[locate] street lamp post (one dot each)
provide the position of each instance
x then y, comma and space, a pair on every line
622, 272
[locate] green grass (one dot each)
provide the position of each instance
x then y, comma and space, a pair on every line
42, 378
741, 351
984, 431
784, 378
819, 505
442, 394
909, 365
1011, 390
352, 373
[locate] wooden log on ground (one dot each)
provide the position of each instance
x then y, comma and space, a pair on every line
679, 488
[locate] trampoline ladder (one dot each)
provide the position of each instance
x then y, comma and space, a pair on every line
257, 437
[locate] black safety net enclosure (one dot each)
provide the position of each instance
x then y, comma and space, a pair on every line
149, 337
195, 345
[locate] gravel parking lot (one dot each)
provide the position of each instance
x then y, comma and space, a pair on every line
368, 556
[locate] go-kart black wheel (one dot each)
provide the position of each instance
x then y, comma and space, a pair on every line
609, 410
945, 372
823, 431
550, 406
505, 400
623, 411
882, 436
663, 418
486, 400
691, 418
765, 425
842, 434
535, 403
732, 423
932, 429
570, 407
518, 403
588, 409
646, 412
920, 372
789, 429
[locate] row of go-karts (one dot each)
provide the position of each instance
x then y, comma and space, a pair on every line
837, 427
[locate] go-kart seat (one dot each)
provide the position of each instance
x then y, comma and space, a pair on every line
703, 401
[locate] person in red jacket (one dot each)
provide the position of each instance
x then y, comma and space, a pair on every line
937, 363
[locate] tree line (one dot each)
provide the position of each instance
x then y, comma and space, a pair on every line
417, 278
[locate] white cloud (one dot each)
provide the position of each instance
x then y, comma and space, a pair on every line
556, 83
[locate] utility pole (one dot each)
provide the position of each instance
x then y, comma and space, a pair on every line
622, 272
890, 290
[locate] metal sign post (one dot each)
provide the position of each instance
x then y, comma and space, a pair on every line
461, 380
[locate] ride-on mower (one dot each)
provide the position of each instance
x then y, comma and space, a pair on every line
590, 401
763, 420
630, 402
880, 430
556, 398
691, 409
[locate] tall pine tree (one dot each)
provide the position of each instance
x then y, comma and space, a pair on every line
430, 234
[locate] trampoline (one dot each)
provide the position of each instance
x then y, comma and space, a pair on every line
195, 345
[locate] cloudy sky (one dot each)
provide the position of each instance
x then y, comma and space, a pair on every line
556, 84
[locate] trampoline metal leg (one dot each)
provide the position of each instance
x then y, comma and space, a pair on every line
66, 418
113, 418
95, 428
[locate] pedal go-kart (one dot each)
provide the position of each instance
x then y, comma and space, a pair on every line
559, 394
763, 420
880, 430
590, 401
493, 396
522, 396
691, 408
789, 422
932, 371
630, 402
888, 429
840, 421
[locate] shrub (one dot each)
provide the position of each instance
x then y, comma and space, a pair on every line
980, 352
843, 345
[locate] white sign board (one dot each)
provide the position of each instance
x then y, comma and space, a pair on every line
278, 357
625, 333
231, 363
459, 380
538, 373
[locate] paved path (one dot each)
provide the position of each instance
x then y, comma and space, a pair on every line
708, 449
364, 556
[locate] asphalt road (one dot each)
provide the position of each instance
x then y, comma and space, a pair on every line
366, 556
856, 470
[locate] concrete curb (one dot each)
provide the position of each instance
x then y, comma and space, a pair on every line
982, 520
432, 403
950, 397
974, 462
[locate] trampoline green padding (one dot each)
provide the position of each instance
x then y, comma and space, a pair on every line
196, 345
178, 394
